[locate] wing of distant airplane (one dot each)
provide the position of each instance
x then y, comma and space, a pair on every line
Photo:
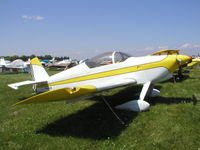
194, 62
167, 52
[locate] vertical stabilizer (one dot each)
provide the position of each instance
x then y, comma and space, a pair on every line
37, 70
2, 61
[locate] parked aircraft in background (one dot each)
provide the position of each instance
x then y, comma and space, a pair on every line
3, 62
103, 72
194, 62
64, 64
167, 52
15, 66
45, 62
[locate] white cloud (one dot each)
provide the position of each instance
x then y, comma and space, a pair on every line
26, 17
38, 17
163, 47
156, 48
149, 48
189, 45
32, 17
187, 48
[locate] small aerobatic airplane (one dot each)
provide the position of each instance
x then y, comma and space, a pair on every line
105, 71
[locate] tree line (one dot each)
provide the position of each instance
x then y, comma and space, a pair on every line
25, 58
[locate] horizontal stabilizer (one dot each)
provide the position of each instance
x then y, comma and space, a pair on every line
60, 94
16, 85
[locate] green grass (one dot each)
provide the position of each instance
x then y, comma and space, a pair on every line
173, 121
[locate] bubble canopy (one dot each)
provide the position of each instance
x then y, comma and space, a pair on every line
106, 59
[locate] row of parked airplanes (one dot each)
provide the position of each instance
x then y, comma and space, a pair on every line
19, 65
103, 72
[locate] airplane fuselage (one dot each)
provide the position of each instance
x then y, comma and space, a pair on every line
142, 69
102, 72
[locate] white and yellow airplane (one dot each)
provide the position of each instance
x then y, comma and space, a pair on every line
105, 71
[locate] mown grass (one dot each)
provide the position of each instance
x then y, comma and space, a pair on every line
173, 121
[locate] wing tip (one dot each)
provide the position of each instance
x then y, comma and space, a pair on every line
13, 86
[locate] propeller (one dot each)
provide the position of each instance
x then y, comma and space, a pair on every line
182, 61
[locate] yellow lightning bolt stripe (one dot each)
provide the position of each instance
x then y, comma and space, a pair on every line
168, 63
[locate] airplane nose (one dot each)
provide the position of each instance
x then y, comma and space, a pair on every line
183, 59
190, 59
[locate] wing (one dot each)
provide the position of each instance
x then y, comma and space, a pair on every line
75, 92
60, 94
194, 62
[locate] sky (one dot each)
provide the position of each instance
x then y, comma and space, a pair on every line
84, 28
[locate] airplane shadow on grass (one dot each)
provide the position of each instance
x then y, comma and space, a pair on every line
94, 122
97, 121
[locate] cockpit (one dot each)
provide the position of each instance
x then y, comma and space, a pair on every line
106, 59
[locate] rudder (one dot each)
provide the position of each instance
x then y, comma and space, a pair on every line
37, 71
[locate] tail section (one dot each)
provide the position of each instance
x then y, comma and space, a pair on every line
37, 70
39, 76
2, 61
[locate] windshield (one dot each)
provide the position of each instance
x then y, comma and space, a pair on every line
106, 59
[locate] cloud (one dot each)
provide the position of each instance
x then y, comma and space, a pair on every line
26, 17
187, 48
38, 18
149, 48
156, 48
189, 45
163, 47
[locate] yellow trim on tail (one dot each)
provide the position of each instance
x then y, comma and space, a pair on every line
35, 61
60, 94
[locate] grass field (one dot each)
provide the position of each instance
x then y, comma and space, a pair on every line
173, 121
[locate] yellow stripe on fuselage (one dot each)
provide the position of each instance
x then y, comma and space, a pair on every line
168, 63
